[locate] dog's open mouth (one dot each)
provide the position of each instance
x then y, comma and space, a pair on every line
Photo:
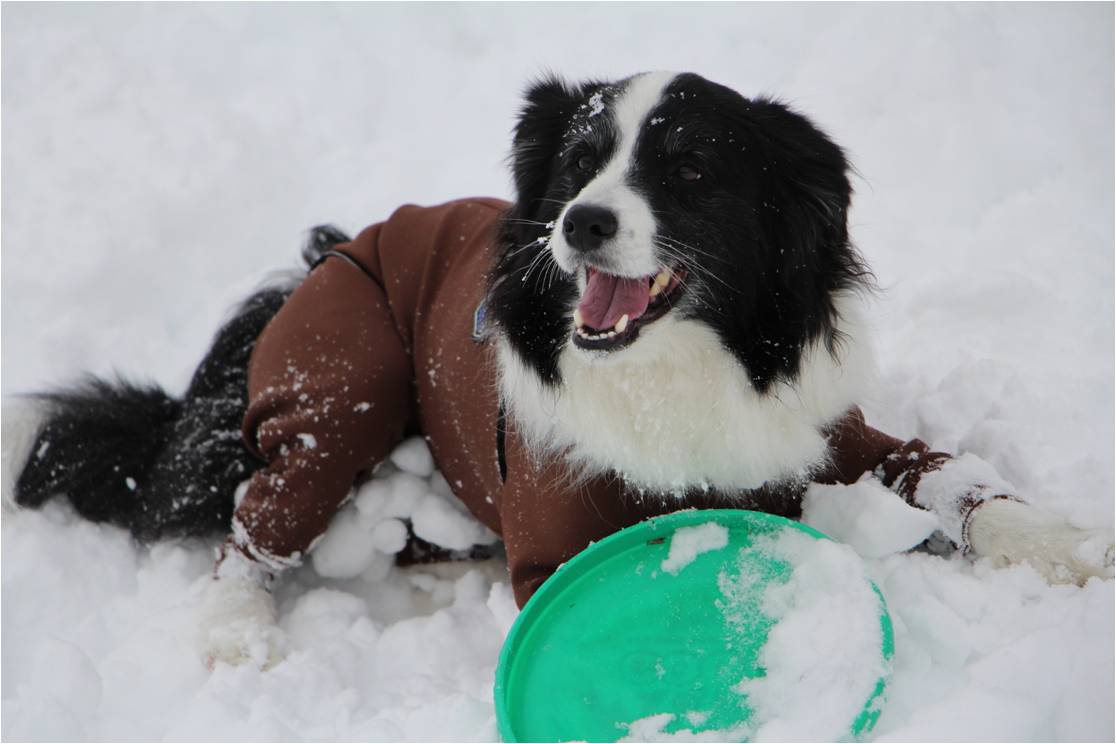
613, 309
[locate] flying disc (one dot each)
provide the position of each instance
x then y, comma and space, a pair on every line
665, 626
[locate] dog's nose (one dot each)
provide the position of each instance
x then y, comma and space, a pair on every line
587, 226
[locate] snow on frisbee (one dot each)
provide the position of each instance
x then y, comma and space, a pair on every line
722, 625
824, 655
688, 543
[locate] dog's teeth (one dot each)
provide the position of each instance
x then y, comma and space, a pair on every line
577, 319
622, 323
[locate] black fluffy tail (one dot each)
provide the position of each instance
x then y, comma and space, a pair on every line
134, 456
98, 440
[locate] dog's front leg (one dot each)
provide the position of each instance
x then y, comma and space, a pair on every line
977, 511
975, 508
236, 619
1011, 531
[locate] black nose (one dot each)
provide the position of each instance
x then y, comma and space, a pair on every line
587, 226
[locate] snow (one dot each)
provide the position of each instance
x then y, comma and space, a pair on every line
943, 489
369, 529
596, 104
1092, 550
438, 520
823, 657
393, 495
413, 456
687, 543
867, 517
346, 550
159, 161
653, 728
389, 536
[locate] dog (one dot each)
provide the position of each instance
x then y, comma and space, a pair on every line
668, 315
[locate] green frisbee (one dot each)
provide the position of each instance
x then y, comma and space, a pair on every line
703, 621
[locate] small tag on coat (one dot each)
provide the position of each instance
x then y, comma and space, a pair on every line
479, 329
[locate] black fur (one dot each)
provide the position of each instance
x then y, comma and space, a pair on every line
133, 456
528, 297
762, 235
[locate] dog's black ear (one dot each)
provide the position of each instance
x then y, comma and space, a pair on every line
806, 196
549, 106
533, 313
808, 175
801, 203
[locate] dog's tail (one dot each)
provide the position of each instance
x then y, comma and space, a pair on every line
134, 456
95, 445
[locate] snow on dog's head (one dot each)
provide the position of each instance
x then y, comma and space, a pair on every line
663, 215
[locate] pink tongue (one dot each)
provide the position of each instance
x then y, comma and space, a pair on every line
608, 297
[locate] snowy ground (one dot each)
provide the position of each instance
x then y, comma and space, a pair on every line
158, 160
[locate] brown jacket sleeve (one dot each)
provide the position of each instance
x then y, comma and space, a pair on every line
548, 518
328, 387
856, 448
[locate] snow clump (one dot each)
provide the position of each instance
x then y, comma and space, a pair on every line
688, 543
823, 657
867, 516
367, 532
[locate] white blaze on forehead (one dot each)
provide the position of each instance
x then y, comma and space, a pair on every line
632, 251
630, 110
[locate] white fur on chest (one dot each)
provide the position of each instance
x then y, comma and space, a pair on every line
676, 410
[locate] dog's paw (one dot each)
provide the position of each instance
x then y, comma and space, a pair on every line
20, 422
1013, 532
237, 624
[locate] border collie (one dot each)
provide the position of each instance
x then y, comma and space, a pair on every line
675, 301
750, 272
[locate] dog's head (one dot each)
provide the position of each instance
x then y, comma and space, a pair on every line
669, 195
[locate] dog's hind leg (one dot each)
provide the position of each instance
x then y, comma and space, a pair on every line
190, 486
134, 456
330, 388
236, 620
331, 393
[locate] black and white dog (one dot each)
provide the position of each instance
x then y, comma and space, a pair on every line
729, 288
734, 212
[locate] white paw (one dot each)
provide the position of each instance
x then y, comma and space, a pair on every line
20, 421
236, 624
1013, 532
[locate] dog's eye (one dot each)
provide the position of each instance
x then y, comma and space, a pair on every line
585, 163
689, 173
